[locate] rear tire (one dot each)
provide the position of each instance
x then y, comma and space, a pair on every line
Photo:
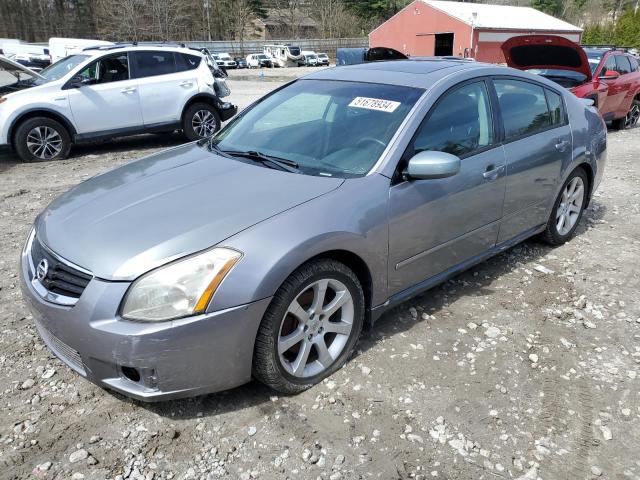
568, 209
294, 351
42, 139
631, 119
200, 120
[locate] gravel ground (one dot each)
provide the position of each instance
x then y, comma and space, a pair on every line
524, 367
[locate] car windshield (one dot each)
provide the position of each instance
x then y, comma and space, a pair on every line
328, 128
594, 58
61, 68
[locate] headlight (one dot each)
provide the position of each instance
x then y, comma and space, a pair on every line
179, 289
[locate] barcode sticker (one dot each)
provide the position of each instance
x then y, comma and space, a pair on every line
378, 104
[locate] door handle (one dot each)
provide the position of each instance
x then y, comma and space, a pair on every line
128, 90
493, 172
186, 83
561, 145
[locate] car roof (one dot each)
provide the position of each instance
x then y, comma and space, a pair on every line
410, 73
99, 50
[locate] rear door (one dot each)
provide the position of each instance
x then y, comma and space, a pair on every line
437, 224
167, 81
110, 100
537, 141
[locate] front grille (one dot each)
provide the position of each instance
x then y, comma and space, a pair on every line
61, 278
63, 351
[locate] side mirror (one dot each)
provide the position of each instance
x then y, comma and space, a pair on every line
79, 81
431, 164
609, 75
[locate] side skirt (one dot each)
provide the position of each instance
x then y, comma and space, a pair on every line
125, 132
429, 283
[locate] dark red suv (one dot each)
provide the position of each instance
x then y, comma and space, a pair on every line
608, 76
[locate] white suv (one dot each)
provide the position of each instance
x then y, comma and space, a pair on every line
106, 92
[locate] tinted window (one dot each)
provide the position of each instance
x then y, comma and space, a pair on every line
622, 64
523, 106
634, 64
106, 70
555, 108
186, 62
609, 64
459, 123
149, 64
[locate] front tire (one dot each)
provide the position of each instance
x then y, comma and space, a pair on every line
567, 209
310, 327
200, 120
42, 139
631, 119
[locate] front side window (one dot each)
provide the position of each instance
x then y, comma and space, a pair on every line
107, 70
523, 106
622, 65
61, 68
329, 128
460, 123
150, 64
609, 64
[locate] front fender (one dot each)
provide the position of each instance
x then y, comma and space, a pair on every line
352, 218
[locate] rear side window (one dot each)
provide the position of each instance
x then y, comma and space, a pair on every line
634, 64
622, 64
150, 64
460, 123
186, 62
523, 106
556, 109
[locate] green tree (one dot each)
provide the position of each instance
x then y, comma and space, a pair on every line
552, 7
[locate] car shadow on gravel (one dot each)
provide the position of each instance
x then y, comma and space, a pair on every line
393, 322
126, 145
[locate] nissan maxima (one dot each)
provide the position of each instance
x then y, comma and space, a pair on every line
262, 251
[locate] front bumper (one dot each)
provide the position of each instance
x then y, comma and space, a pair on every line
227, 110
180, 358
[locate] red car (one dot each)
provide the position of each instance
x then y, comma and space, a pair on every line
610, 77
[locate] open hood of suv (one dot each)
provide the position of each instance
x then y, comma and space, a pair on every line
529, 52
14, 77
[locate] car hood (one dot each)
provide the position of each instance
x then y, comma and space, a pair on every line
15, 77
546, 52
125, 222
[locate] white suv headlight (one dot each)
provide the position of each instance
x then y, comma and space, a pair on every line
179, 289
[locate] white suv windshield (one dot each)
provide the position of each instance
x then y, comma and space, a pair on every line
61, 68
329, 128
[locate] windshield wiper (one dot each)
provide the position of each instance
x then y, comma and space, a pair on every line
281, 163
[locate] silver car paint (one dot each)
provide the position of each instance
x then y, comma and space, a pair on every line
401, 236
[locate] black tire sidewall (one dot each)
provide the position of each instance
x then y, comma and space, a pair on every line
20, 139
288, 292
551, 227
187, 126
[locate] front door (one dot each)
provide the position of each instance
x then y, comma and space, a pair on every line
110, 99
435, 225
537, 142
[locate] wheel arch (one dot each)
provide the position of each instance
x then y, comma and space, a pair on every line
202, 98
40, 112
588, 169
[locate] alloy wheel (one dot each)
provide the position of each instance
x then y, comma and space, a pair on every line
316, 328
44, 142
568, 211
633, 116
204, 123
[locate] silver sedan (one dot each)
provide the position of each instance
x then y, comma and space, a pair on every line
263, 251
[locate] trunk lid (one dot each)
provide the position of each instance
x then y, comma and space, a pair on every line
541, 52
